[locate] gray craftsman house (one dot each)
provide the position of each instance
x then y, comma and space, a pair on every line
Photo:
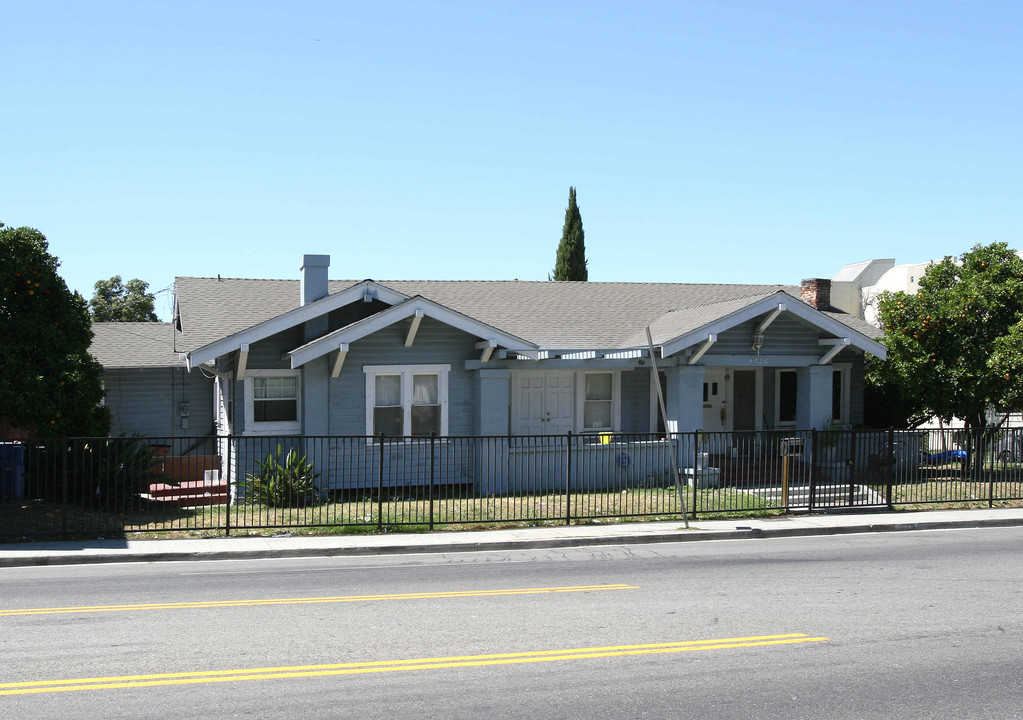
315, 357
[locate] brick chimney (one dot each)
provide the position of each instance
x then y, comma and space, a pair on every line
816, 292
314, 277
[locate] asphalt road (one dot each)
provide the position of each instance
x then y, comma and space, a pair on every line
904, 625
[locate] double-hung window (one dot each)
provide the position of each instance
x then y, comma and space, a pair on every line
407, 399
598, 397
273, 401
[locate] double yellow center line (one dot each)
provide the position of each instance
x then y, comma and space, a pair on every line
383, 666
310, 601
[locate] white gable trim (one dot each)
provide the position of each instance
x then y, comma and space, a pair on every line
770, 304
414, 307
356, 293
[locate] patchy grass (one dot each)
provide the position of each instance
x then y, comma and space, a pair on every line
36, 520
957, 494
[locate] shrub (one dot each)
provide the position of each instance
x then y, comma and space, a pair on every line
277, 483
103, 473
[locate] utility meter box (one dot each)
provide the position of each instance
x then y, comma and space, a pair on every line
791, 447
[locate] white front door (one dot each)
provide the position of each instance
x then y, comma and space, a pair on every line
715, 404
545, 403
715, 408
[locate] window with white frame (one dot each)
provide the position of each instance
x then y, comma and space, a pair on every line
840, 377
786, 397
273, 401
406, 399
598, 397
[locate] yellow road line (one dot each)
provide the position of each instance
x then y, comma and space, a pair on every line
309, 601
382, 666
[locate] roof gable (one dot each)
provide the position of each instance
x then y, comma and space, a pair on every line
134, 345
735, 313
558, 318
367, 289
413, 307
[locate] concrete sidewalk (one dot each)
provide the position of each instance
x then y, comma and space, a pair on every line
232, 548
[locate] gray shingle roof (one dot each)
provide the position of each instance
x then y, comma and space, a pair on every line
134, 345
555, 315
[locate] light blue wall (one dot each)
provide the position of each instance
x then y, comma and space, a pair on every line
636, 400
147, 401
435, 344
785, 336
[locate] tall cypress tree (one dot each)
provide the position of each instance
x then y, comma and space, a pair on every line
570, 263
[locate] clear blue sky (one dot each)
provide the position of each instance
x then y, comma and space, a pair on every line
708, 141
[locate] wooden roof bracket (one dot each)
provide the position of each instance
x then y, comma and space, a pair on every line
837, 345
488, 347
243, 361
766, 322
711, 339
416, 320
342, 353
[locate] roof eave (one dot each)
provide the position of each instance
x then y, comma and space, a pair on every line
792, 305
290, 319
385, 318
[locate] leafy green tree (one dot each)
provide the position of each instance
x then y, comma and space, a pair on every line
570, 263
49, 383
114, 302
1007, 361
953, 348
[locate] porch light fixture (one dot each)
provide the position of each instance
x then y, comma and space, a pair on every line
758, 341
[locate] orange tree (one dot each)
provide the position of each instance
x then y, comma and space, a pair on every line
49, 383
953, 347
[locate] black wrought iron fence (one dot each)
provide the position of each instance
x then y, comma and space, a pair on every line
88, 487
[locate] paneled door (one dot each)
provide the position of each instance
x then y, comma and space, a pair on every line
545, 403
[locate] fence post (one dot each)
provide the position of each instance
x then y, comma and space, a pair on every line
568, 483
695, 471
977, 471
230, 490
63, 487
851, 459
815, 463
433, 438
889, 468
993, 468
380, 484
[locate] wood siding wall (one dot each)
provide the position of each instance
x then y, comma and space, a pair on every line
636, 400
147, 401
435, 343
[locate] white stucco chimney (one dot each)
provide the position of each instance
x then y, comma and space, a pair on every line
314, 277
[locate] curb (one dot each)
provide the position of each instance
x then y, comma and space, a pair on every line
69, 558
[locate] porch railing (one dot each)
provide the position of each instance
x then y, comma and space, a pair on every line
89, 487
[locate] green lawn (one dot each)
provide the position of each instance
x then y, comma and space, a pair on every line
37, 520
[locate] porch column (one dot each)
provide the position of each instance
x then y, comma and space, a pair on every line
315, 379
813, 397
684, 401
495, 401
315, 418
684, 405
493, 419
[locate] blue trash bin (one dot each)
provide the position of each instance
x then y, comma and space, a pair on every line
12, 468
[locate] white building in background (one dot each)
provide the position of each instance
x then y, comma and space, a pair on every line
856, 287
